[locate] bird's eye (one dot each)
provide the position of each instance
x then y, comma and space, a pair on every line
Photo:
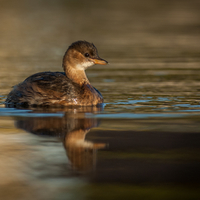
86, 54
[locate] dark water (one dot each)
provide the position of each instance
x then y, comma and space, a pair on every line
145, 142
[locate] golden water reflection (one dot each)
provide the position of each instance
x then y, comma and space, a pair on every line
72, 130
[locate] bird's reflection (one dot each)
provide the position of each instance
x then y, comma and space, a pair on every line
72, 129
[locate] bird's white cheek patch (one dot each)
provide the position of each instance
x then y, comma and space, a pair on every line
84, 65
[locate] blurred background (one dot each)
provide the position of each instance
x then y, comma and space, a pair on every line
147, 136
120, 29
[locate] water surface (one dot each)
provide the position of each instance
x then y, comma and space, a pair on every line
144, 143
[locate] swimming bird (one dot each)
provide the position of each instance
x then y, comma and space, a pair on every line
67, 88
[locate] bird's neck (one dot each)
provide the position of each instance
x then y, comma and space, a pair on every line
76, 75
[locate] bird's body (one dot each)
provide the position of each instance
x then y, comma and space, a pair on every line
61, 88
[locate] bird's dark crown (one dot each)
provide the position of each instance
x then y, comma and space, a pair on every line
84, 47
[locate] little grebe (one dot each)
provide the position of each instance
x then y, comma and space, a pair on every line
70, 87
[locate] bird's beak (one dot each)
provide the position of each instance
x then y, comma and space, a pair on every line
99, 61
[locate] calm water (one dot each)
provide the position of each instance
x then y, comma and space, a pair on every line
145, 142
